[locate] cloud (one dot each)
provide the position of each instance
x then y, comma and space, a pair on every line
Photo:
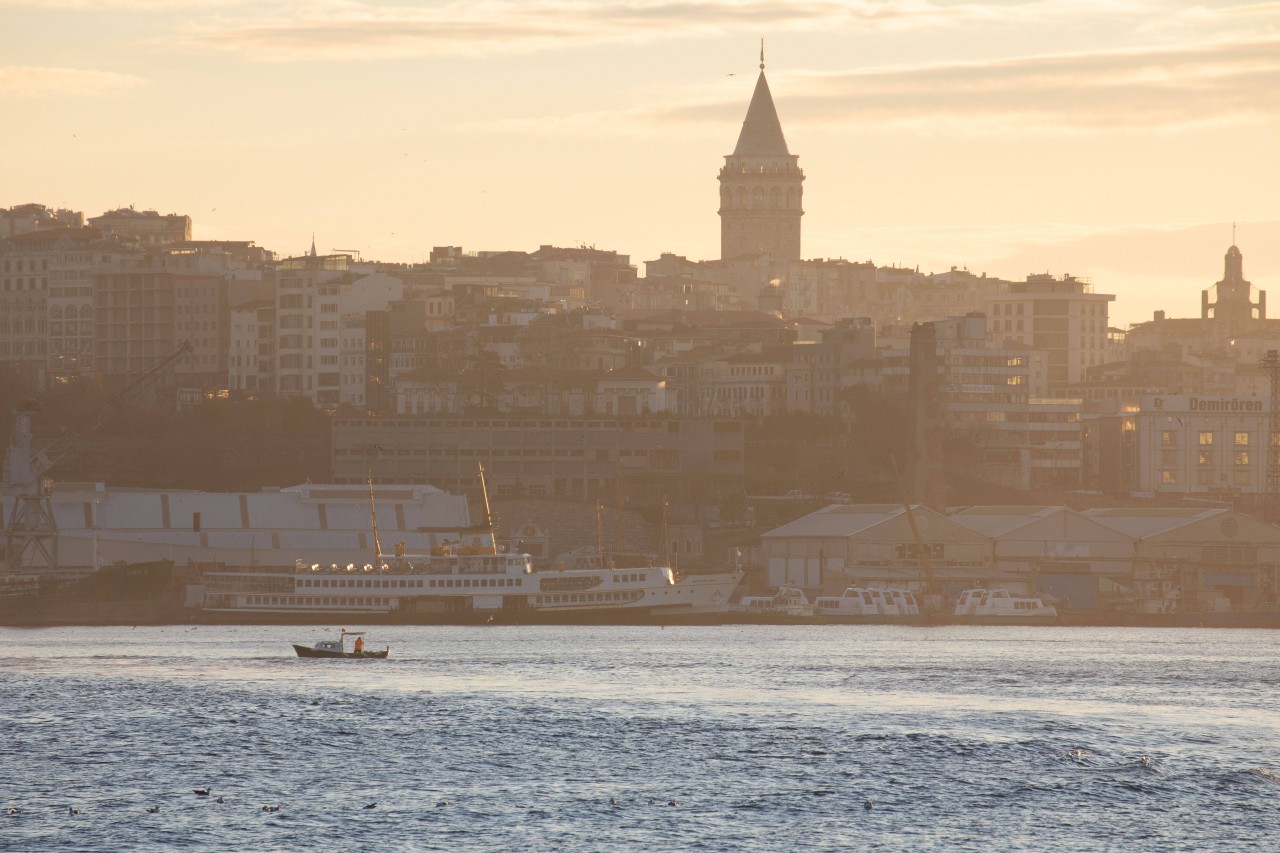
25, 81
130, 5
369, 30
110, 5
1156, 89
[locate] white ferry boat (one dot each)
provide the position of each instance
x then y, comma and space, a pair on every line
998, 606
857, 604
467, 582
469, 579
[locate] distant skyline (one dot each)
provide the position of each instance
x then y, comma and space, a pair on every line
1108, 139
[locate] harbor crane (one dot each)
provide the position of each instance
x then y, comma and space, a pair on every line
31, 532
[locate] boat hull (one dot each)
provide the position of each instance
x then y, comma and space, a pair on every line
995, 619
309, 652
118, 594
513, 617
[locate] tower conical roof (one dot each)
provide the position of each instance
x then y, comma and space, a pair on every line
761, 131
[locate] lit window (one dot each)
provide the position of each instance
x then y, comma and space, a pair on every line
1206, 439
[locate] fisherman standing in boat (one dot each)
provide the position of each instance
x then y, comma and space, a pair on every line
359, 645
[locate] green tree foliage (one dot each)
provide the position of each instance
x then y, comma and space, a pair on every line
818, 454
217, 446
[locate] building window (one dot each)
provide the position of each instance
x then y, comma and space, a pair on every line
1242, 457
1168, 457
1204, 478
1242, 439
1168, 437
1206, 457
1206, 439
1242, 477
1168, 478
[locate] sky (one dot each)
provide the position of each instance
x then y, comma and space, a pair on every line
1117, 140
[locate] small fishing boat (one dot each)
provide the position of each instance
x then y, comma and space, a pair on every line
338, 648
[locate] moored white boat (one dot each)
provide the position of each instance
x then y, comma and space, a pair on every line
1000, 606
786, 601
857, 604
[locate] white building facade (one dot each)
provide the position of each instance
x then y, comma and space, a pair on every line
1202, 444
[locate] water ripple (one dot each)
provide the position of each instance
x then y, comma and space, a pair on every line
739, 737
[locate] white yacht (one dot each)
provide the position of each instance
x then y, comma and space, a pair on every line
859, 604
904, 601
999, 606
854, 601
787, 601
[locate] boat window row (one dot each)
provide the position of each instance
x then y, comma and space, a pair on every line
590, 598
353, 583
402, 583
476, 582
488, 565
314, 601
628, 577
247, 583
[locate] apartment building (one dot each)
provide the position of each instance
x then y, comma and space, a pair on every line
134, 316
1059, 315
146, 228
307, 355
25, 218
646, 460
1189, 444
251, 348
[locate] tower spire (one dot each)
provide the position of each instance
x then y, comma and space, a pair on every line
761, 185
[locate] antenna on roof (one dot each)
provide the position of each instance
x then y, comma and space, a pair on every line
761, 54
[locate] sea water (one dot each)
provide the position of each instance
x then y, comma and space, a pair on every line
701, 738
